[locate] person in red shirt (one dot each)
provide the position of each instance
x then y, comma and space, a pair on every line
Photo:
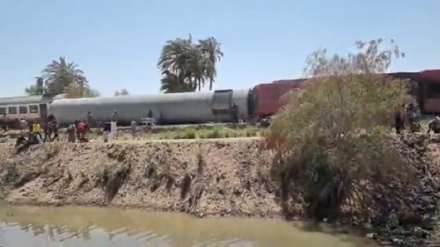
81, 130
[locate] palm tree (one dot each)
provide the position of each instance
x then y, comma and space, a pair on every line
60, 74
172, 83
174, 55
196, 67
194, 62
211, 48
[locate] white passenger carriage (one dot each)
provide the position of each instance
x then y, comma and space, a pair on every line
29, 108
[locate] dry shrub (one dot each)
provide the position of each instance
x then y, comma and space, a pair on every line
332, 138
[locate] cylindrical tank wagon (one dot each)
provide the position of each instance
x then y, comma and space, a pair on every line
176, 108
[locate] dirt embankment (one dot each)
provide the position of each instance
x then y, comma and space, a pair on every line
207, 178
202, 178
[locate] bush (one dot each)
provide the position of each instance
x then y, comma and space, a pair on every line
331, 140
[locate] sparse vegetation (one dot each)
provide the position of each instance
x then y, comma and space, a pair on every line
187, 132
332, 139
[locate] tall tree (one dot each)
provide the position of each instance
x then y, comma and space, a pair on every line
62, 77
170, 84
192, 63
121, 92
59, 74
211, 48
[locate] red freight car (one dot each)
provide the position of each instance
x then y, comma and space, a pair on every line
269, 94
429, 91
426, 89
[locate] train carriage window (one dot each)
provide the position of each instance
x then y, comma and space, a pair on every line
2, 111
433, 90
12, 110
22, 109
33, 109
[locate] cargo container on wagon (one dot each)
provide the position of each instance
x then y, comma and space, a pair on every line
269, 95
175, 108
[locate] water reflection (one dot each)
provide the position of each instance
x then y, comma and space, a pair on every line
79, 226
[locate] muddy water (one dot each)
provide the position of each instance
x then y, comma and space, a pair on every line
78, 226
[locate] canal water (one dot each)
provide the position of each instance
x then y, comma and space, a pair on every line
99, 227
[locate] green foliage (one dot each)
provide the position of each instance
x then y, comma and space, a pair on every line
171, 83
187, 65
78, 91
62, 77
331, 138
206, 133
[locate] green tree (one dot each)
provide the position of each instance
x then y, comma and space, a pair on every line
121, 92
170, 84
193, 63
60, 74
210, 47
38, 88
62, 77
331, 141
80, 91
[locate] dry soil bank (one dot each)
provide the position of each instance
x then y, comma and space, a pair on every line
204, 178
218, 177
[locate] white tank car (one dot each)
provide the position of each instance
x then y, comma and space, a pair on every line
176, 108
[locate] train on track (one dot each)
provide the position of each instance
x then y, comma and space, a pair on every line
261, 101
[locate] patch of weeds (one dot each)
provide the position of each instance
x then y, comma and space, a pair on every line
158, 173
26, 178
158, 170
250, 132
214, 133
185, 186
187, 134
166, 136
113, 182
12, 174
200, 162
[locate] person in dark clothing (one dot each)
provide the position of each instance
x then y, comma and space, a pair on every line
50, 118
30, 126
434, 125
235, 113
71, 132
399, 123
150, 121
51, 128
106, 128
90, 119
413, 118
54, 129
114, 115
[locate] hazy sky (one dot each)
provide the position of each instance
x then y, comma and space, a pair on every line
117, 42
